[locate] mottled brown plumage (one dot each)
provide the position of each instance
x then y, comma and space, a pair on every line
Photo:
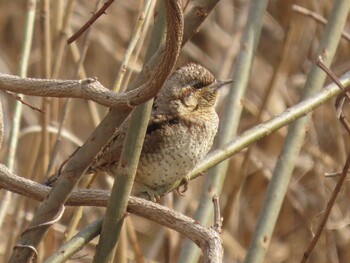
180, 132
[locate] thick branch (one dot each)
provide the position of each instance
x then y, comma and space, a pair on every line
89, 89
92, 89
78, 164
206, 238
114, 117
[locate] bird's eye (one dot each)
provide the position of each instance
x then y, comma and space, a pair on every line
198, 85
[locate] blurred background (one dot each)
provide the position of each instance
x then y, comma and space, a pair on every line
285, 54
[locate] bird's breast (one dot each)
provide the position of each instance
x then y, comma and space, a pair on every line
170, 152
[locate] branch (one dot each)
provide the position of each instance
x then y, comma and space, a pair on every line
89, 89
327, 211
92, 89
264, 129
79, 163
318, 18
89, 23
114, 118
206, 238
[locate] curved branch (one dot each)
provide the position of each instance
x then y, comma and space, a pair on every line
92, 89
89, 89
206, 238
78, 164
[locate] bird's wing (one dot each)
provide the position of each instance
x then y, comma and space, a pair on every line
159, 128
110, 154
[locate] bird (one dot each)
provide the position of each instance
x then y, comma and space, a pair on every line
180, 132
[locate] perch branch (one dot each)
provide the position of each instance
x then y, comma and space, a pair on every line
77, 166
206, 238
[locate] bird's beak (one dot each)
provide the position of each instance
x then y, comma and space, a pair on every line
221, 83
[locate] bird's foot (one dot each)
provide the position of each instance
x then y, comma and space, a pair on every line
145, 192
185, 181
51, 180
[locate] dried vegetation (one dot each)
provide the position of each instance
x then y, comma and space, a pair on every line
285, 54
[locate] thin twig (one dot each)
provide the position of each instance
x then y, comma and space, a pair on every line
330, 73
341, 97
328, 210
89, 23
339, 103
18, 98
318, 18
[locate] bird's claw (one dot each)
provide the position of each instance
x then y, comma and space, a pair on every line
50, 181
184, 182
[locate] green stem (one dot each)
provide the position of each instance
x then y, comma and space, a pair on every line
295, 138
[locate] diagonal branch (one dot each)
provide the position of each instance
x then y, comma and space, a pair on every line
78, 164
92, 89
89, 23
206, 238
105, 130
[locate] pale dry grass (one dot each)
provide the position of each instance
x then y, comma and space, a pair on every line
286, 52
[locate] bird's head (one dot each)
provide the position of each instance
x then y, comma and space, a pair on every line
191, 89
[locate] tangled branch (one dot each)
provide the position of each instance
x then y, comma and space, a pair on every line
206, 238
